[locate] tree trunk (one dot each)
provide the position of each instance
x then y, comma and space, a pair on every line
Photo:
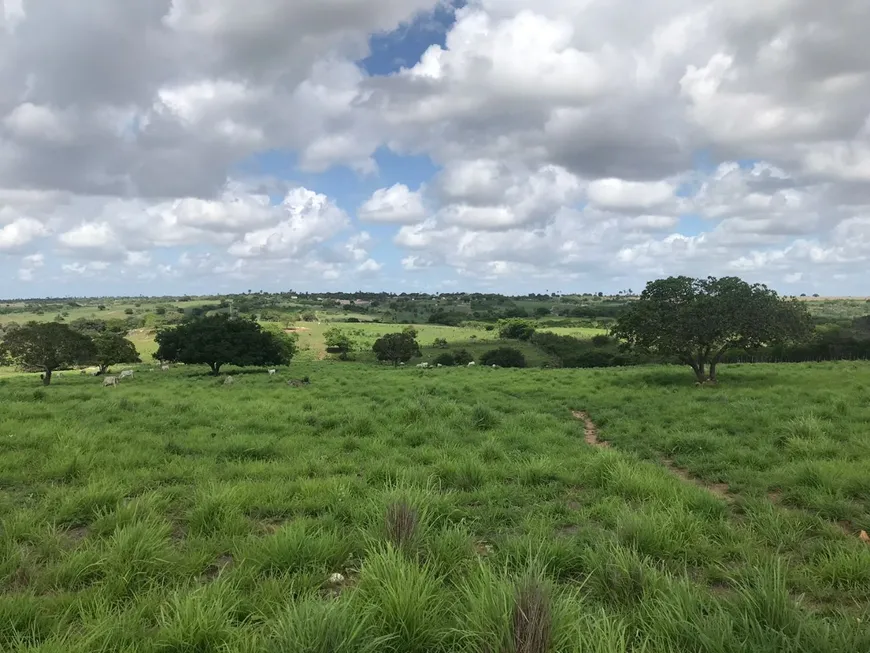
103, 368
215, 368
46, 377
713, 371
698, 369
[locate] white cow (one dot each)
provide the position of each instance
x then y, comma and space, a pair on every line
164, 367
126, 374
272, 372
471, 364
110, 380
228, 381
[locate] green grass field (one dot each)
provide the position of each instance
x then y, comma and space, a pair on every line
463, 509
476, 340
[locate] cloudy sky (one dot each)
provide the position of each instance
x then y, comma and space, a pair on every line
170, 146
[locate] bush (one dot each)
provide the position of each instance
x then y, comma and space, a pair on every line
601, 340
504, 357
516, 329
445, 318
440, 343
462, 357
446, 359
128, 311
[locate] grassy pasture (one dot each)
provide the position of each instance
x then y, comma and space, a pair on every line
476, 340
174, 513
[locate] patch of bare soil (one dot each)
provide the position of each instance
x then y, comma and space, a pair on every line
295, 329
719, 489
78, 533
591, 432
482, 548
217, 567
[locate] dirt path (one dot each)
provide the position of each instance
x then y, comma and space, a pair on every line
720, 490
592, 438
591, 435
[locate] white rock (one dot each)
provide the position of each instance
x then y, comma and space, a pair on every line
336, 578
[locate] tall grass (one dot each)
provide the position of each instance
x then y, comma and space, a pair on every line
457, 510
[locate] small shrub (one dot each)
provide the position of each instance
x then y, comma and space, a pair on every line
446, 359
504, 357
128, 311
440, 343
601, 340
462, 357
516, 329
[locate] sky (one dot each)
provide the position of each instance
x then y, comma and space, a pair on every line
205, 146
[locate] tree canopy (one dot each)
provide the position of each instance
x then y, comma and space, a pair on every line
47, 346
218, 340
697, 320
338, 342
113, 348
396, 348
516, 329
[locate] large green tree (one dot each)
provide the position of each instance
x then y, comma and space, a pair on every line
113, 348
516, 328
697, 320
47, 346
218, 340
338, 342
396, 348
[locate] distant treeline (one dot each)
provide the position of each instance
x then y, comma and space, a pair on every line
828, 344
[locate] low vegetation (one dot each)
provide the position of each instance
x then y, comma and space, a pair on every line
457, 510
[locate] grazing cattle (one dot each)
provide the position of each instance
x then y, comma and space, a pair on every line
126, 374
229, 380
272, 372
164, 367
440, 365
471, 364
110, 380
423, 366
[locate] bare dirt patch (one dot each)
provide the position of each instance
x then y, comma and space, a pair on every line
719, 489
591, 432
217, 567
482, 548
78, 533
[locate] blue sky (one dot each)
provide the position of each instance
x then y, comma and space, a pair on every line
514, 146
